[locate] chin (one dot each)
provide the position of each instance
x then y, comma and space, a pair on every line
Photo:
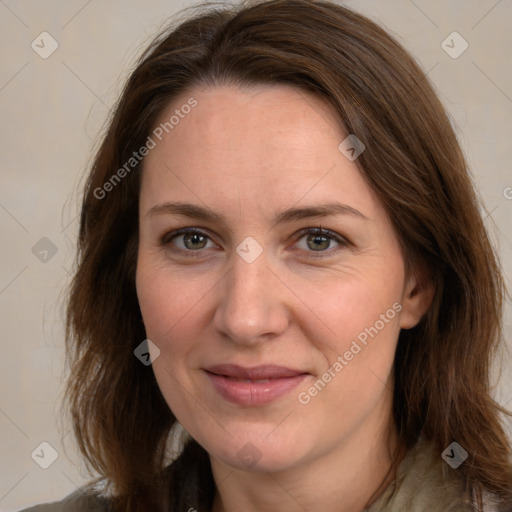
254, 454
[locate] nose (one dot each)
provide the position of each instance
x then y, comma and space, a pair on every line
253, 302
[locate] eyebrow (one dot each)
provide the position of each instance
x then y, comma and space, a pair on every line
292, 214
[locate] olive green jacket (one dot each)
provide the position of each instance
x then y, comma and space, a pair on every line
424, 483
80, 501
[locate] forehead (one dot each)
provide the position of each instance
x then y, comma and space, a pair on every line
272, 143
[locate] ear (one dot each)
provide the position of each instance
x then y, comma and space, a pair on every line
417, 298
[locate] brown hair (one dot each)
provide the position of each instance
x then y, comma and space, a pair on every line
413, 162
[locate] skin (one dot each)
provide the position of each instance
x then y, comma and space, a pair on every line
247, 154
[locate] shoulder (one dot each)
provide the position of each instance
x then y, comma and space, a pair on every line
83, 500
425, 482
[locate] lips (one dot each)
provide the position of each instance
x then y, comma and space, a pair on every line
264, 372
253, 386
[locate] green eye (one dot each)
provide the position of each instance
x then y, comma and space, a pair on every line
320, 241
187, 240
194, 241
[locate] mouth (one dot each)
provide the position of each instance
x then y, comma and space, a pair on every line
253, 386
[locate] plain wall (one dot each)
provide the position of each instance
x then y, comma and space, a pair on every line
52, 110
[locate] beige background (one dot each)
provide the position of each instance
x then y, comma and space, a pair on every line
52, 110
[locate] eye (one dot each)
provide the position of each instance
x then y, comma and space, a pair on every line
318, 240
188, 239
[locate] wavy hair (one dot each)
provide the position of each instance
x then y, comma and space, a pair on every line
413, 162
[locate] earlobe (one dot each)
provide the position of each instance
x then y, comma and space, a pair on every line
417, 298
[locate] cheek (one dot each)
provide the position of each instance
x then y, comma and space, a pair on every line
169, 308
355, 308
358, 351
168, 301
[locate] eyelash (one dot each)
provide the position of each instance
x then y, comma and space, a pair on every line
343, 242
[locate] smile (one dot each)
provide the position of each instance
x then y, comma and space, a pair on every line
253, 386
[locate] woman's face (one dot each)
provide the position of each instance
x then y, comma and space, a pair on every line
276, 341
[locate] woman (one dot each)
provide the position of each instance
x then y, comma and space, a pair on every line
281, 252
